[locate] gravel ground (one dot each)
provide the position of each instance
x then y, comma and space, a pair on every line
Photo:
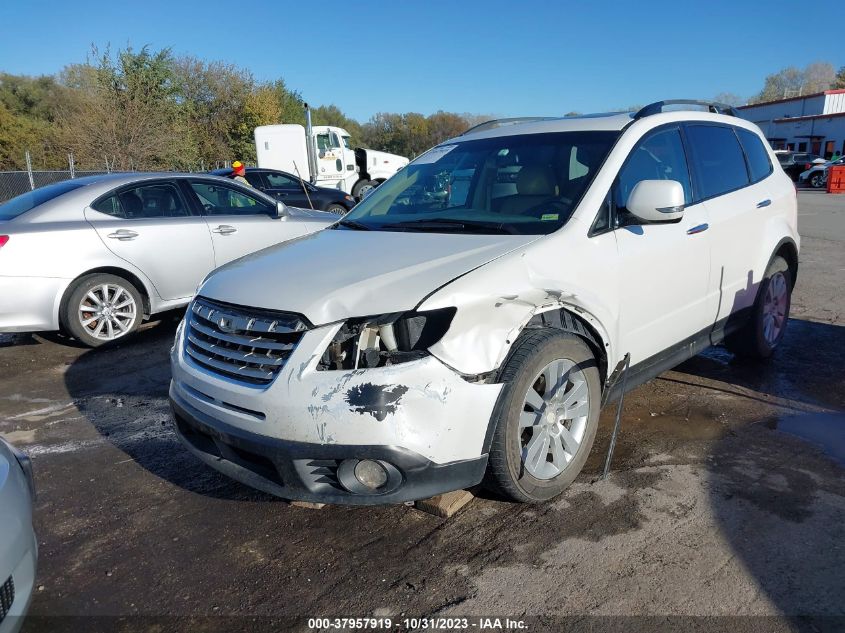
717, 515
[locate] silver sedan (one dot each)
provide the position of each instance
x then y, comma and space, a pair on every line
95, 256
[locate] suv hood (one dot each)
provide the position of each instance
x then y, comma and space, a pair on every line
339, 274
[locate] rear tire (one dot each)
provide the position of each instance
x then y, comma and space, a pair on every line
101, 309
336, 208
539, 449
764, 331
817, 180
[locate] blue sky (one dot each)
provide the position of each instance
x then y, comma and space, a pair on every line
493, 57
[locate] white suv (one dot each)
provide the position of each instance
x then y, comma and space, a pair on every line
470, 314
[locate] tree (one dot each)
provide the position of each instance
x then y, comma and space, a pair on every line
793, 82
839, 81
729, 98
122, 109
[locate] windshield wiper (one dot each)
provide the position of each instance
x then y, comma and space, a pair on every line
433, 224
354, 225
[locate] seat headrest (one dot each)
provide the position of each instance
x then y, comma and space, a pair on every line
132, 204
536, 180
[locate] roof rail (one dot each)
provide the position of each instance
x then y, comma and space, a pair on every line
494, 123
712, 106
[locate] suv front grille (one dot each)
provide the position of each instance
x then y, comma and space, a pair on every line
7, 597
246, 344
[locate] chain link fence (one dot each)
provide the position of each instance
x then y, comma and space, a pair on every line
14, 183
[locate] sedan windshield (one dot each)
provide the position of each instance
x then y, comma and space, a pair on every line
31, 199
522, 184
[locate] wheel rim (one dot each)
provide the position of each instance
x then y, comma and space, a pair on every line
553, 419
107, 312
816, 180
775, 305
364, 189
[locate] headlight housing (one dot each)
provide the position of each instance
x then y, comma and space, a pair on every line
386, 339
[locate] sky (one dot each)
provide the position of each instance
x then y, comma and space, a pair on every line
517, 58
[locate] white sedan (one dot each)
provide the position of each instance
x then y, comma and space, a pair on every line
95, 256
816, 176
18, 546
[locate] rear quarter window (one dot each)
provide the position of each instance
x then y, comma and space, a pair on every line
717, 159
758, 158
28, 201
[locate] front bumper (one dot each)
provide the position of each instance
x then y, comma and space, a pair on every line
309, 472
30, 304
421, 417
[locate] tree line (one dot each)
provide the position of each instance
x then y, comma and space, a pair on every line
145, 109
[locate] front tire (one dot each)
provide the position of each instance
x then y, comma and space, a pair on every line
102, 308
339, 209
548, 416
764, 331
362, 187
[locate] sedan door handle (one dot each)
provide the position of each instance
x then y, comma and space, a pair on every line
224, 229
763, 203
698, 229
123, 235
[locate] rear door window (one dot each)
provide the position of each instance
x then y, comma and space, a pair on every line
280, 181
160, 200
758, 158
717, 160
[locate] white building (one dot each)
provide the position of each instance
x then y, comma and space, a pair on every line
813, 123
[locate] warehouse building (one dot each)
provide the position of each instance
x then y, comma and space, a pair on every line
814, 123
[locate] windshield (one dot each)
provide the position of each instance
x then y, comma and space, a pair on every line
525, 184
28, 201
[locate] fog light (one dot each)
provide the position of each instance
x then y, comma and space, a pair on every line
370, 473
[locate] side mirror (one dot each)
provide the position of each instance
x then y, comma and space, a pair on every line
657, 200
282, 210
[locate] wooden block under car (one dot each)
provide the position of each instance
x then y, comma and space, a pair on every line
307, 504
444, 505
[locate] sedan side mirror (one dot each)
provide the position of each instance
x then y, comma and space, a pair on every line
282, 210
657, 201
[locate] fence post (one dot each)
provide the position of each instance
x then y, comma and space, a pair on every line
29, 171
71, 164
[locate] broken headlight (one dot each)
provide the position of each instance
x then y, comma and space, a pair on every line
387, 339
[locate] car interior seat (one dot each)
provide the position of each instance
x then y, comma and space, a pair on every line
535, 184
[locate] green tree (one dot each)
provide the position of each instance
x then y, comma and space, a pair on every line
839, 81
792, 82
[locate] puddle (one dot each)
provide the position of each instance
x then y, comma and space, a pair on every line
825, 430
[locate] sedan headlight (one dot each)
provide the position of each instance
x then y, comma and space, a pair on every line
26, 466
387, 339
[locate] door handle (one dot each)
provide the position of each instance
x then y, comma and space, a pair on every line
224, 229
123, 235
698, 229
763, 203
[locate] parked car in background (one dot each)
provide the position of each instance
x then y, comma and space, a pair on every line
95, 256
794, 163
816, 175
18, 545
293, 191
482, 304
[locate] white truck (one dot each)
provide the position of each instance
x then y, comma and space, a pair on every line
324, 156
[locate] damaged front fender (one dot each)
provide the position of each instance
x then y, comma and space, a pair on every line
495, 302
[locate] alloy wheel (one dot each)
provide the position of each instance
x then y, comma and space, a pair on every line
107, 312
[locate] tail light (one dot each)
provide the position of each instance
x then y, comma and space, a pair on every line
3, 240
807, 166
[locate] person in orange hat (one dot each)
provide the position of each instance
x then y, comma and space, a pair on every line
239, 172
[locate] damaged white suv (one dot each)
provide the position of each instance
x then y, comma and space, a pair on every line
466, 319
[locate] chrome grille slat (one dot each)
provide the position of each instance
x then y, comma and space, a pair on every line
242, 340
246, 344
229, 369
249, 358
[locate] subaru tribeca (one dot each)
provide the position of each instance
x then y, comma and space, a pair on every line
471, 315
